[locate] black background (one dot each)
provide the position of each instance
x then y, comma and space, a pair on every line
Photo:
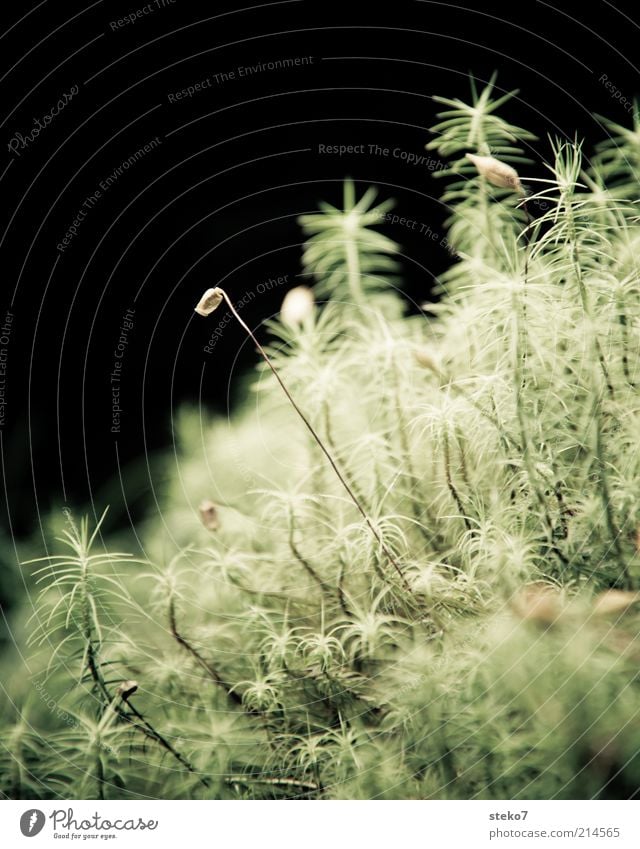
218, 199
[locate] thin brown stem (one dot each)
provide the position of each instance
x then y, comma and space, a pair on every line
450, 484
449, 381
337, 454
208, 667
527, 254
625, 346
406, 450
323, 448
614, 532
341, 597
463, 460
149, 731
529, 463
300, 557
584, 296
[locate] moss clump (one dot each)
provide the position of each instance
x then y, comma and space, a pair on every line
493, 448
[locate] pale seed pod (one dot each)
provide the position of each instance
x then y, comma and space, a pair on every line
209, 302
297, 306
209, 515
538, 602
614, 601
497, 173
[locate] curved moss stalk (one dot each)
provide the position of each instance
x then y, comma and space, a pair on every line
301, 559
211, 671
328, 429
218, 292
406, 450
149, 731
584, 295
613, 530
89, 625
526, 442
624, 325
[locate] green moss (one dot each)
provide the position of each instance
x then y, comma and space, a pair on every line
493, 448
